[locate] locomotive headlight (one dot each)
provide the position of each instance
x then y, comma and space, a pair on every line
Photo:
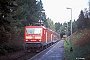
40, 40
26, 40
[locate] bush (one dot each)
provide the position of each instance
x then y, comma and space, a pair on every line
11, 42
8, 47
3, 51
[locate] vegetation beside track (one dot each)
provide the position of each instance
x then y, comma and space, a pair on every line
80, 44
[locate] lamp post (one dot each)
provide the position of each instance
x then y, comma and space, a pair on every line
71, 32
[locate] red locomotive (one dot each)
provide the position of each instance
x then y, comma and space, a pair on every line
39, 37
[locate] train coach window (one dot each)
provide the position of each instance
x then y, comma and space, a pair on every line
33, 30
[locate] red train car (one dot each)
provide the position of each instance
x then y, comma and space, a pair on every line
39, 37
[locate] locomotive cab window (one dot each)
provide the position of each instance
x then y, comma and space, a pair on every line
33, 30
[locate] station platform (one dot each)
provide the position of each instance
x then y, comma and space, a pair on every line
55, 53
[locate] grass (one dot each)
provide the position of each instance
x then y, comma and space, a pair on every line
80, 44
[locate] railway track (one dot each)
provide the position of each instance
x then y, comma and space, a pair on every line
54, 52
29, 56
42, 52
20, 55
26, 56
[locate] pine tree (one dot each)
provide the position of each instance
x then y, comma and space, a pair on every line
57, 26
6, 10
80, 21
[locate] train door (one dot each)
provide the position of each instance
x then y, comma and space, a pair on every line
46, 37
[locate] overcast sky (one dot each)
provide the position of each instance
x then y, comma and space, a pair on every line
56, 9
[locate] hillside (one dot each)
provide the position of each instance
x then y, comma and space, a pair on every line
80, 44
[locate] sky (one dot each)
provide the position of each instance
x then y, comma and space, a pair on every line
57, 12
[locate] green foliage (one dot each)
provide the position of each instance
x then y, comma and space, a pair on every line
10, 47
2, 51
65, 28
25, 12
74, 26
80, 44
57, 27
30, 11
50, 24
82, 21
14, 16
14, 44
6, 9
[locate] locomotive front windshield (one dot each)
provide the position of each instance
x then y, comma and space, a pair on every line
33, 30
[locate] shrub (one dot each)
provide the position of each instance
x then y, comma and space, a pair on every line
3, 51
